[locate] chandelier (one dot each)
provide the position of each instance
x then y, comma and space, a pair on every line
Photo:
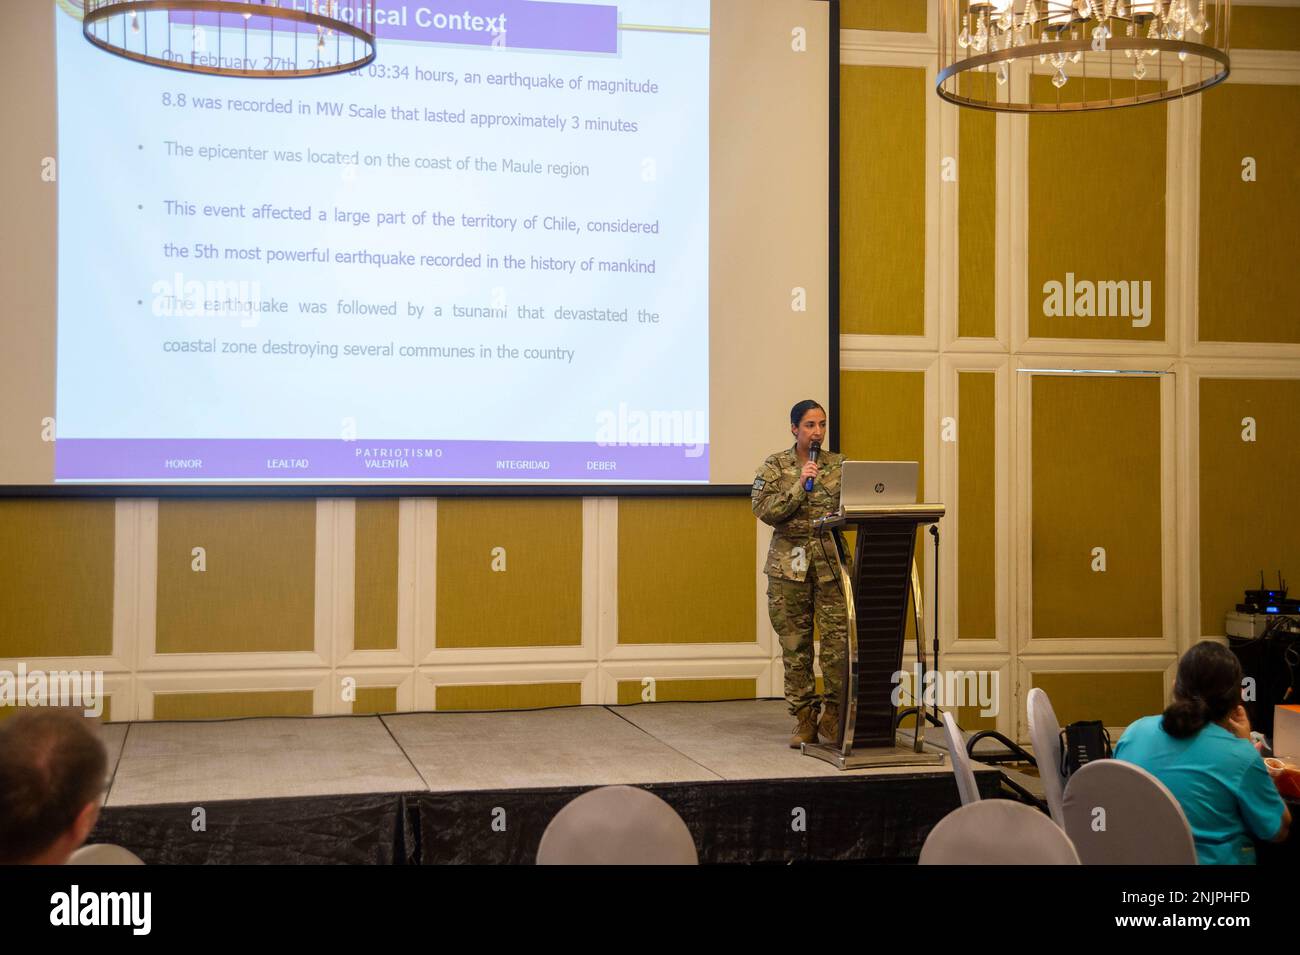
1029, 56
254, 38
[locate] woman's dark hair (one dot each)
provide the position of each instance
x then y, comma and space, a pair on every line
1207, 688
802, 408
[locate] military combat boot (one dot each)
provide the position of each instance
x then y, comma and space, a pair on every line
828, 728
805, 731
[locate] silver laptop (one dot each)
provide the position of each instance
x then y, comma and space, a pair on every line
863, 483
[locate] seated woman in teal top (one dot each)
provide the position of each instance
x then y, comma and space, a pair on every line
1200, 749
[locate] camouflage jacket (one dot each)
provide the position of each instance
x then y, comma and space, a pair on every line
778, 498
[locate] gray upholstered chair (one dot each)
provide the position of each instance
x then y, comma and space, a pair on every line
1045, 735
617, 825
1117, 813
961, 768
997, 832
103, 854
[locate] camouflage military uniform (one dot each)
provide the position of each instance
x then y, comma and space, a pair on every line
801, 572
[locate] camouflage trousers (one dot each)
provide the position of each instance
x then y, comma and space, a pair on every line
792, 606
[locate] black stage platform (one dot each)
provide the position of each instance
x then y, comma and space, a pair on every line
430, 788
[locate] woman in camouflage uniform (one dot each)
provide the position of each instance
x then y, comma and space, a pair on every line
802, 580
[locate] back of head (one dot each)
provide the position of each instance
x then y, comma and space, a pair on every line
52, 765
1207, 689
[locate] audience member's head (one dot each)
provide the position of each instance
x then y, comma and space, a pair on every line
1206, 690
52, 770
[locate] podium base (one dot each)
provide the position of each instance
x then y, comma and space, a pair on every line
871, 757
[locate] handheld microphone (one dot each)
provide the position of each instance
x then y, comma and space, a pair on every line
814, 449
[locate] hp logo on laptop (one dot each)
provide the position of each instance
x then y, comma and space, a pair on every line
880, 488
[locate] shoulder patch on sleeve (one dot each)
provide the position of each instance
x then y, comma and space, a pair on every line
758, 483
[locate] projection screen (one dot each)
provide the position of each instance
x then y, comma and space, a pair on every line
592, 252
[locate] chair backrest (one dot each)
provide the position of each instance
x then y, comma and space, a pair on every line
103, 854
997, 832
1045, 734
617, 825
961, 769
1117, 813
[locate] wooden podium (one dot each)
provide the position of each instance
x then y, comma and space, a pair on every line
877, 585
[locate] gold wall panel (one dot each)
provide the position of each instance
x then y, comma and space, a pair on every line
686, 570
537, 600
1248, 229
104, 717
1099, 226
375, 609
977, 569
512, 696
882, 200
1117, 699
901, 16
1096, 483
666, 691
1249, 518
233, 705
258, 592
1265, 28
375, 699
976, 212
56, 577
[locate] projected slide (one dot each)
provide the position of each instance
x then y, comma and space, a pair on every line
483, 258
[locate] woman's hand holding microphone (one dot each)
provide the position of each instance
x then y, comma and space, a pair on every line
809, 471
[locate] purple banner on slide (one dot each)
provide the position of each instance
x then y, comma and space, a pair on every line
524, 24
293, 459
512, 24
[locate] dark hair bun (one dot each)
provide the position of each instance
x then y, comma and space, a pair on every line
1184, 718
